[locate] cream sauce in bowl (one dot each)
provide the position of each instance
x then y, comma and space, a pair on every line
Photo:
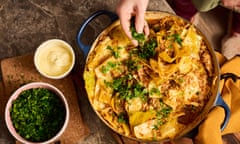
54, 58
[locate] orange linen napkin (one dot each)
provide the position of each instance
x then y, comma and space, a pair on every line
209, 130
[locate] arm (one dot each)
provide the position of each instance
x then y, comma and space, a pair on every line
231, 4
126, 9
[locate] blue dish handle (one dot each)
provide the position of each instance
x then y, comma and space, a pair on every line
220, 102
81, 45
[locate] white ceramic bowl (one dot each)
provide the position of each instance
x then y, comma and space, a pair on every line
54, 59
15, 95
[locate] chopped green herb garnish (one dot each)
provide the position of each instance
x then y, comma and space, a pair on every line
115, 53
155, 91
148, 49
122, 118
155, 127
37, 114
180, 80
132, 65
166, 111
177, 38
170, 46
128, 88
162, 115
140, 37
106, 68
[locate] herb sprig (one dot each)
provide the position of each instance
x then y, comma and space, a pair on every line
146, 48
128, 88
115, 52
162, 115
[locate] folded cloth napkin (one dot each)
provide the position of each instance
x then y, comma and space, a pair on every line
209, 131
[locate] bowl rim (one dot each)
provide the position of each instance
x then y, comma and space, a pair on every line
42, 45
15, 95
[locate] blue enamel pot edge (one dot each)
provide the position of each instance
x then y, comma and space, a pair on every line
220, 102
113, 17
85, 48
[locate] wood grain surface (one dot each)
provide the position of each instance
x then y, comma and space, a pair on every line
20, 70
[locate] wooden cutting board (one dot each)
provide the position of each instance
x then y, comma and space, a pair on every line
21, 70
2, 98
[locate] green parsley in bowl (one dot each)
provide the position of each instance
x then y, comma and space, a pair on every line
37, 113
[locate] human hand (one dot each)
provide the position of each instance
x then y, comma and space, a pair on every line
126, 9
231, 4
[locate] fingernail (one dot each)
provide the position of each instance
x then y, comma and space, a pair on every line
139, 31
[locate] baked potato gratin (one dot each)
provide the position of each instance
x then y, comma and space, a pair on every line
152, 91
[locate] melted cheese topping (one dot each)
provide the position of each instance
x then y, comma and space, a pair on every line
145, 98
